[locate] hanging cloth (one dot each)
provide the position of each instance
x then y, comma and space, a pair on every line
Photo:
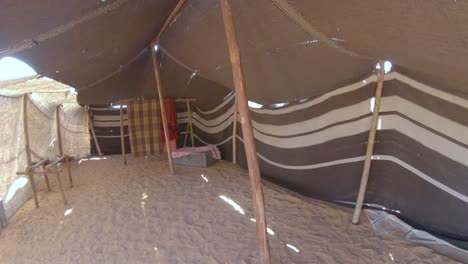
171, 115
144, 124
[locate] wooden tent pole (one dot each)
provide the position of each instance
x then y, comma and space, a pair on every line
162, 105
93, 133
190, 122
370, 145
122, 135
247, 131
234, 133
168, 21
60, 144
59, 135
26, 130
27, 147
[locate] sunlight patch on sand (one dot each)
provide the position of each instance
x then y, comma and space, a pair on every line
233, 204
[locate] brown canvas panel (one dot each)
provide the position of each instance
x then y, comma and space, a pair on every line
23, 19
280, 61
95, 49
427, 37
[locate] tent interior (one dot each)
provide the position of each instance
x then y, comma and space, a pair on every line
321, 77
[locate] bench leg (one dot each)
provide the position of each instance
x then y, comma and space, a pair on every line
46, 177
61, 188
33, 188
69, 171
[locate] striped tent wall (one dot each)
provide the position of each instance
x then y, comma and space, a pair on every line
106, 123
317, 147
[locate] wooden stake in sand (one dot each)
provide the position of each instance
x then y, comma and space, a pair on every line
234, 133
122, 135
93, 134
162, 105
370, 144
247, 131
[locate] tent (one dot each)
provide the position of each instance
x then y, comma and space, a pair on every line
310, 72
35, 111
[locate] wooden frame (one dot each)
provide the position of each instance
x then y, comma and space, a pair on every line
370, 145
189, 129
93, 133
46, 170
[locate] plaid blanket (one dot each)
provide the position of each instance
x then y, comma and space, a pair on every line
144, 127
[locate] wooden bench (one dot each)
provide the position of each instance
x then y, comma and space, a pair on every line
48, 168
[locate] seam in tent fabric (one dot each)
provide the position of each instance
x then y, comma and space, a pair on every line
305, 25
27, 44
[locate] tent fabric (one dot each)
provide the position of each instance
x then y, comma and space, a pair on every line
43, 96
106, 124
144, 127
308, 64
426, 39
86, 52
317, 147
390, 224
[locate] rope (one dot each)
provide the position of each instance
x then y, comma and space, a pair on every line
63, 28
302, 22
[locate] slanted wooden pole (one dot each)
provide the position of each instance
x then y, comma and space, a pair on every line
26, 130
163, 106
370, 145
67, 162
93, 133
27, 147
122, 135
247, 131
189, 110
234, 133
59, 134
168, 20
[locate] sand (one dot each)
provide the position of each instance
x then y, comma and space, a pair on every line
141, 214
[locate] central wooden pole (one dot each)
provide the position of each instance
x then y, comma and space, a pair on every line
370, 145
163, 107
247, 131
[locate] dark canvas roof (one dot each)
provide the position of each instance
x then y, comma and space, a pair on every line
98, 46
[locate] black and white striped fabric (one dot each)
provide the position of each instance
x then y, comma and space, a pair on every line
106, 123
317, 147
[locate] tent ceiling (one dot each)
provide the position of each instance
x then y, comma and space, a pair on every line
100, 45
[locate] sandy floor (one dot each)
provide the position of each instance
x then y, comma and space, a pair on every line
140, 214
